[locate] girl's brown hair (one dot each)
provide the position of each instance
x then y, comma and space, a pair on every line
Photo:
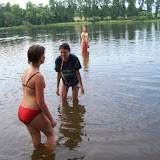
35, 52
64, 46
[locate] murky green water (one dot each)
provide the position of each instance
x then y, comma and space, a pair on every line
117, 118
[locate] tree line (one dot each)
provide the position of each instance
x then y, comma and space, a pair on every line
66, 10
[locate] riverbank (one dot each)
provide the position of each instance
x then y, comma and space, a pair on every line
75, 23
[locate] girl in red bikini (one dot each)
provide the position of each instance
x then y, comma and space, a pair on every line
33, 111
85, 40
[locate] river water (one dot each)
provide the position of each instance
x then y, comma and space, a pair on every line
118, 117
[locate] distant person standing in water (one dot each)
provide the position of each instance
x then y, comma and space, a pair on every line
67, 66
33, 111
85, 40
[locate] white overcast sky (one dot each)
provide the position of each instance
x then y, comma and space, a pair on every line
22, 3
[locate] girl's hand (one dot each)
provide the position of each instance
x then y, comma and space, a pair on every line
82, 91
57, 92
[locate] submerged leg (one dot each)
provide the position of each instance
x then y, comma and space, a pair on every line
41, 123
64, 92
75, 92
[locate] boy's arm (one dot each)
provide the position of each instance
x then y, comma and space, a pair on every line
58, 81
80, 81
82, 36
87, 41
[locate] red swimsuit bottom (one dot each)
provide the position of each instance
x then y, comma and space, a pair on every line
27, 115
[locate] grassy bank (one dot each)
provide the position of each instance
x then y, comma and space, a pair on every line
47, 25
126, 21
76, 23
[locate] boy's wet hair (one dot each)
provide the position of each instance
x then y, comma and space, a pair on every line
64, 46
35, 52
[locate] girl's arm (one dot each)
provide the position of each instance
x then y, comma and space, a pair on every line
80, 81
39, 86
58, 81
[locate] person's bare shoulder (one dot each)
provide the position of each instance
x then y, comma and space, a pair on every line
39, 78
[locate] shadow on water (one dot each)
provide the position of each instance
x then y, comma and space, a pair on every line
71, 125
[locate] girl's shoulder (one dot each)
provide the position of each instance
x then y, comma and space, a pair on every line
58, 59
73, 56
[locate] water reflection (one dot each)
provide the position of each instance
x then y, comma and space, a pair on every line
71, 127
85, 57
41, 153
72, 33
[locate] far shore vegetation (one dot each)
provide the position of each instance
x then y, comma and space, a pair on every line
82, 23
78, 12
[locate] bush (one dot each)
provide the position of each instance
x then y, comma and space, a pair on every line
27, 24
78, 21
95, 19
107, 18
135, 18
120, 18
150, 16
146, 14
143, 18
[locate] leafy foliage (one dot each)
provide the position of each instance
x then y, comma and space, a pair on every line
66, 10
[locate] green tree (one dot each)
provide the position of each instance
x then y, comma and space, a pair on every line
87, 9
30, 15
39, 14
146, 14
52, 10
105, 8
46, 15
123, 8
87, 12
8, 15
131, 9
116, 9
8, 19
61, 14
2, 17
17, 15
71, 10
79, 11
8, 7
95, 8
157, 6
141, 4
149, 4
